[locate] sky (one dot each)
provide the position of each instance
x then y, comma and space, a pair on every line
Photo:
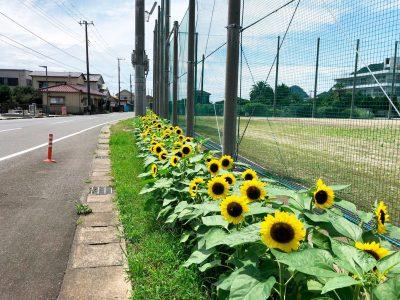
57, 22
338, 24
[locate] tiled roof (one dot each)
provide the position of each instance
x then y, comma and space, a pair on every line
56, 74
70, 88
93, 77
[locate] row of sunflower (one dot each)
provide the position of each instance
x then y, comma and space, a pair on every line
255, 239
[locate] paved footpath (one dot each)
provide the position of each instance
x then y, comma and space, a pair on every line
96, 265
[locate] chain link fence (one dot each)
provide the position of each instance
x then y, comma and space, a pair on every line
317, 90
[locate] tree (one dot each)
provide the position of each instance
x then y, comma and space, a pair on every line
26, 95
261, 92
282, 95
5, 94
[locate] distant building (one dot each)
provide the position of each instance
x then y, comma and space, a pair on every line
15, 77
125, 96
72, 96
202, 97
39, 79
367, 85
96, 82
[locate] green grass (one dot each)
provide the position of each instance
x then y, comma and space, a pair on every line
363, 153
154, 253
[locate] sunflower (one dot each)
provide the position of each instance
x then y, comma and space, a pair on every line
177, 145
198, 180
181, 137
323, 195
193, 189
179, 154
253, 190
174, 160
154, 169
230, 178
226, 162
162, 155
382, 217
233, 209
282, 231
213, 166
158, 148
186, 150
249, 174
373, 248
178, 130
218, 188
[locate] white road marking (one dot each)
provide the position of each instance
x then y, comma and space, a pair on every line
54, 141
63, 122
4, 130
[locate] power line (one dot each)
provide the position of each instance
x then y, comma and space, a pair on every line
41, 38
35, 51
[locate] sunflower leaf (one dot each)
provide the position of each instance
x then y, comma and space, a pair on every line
345, 227
338, 283
246, 287
209, 265
339, 187
249, 234
149, 160
257, 208
196, 158
313, 261
215, 220
388, 290
198, 256
390, 264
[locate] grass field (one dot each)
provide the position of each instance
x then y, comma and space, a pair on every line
363, 153
155, 256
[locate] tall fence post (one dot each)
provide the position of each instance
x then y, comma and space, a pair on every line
276, 74
161, 69
353, 94
190, 72
393, 93
166, 59
175, 78
140, 81
231, 77
316, 78
155, 67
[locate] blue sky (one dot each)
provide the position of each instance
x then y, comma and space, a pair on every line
337, 22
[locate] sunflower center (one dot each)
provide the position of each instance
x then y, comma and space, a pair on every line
225, 162
179, 154
253, 193
373, 253
185, 150
382, 216
158, 149
163, 156
218, 188
175, 160
282, 232
321, 197
228, 180
214, 168
234, 209
248, 176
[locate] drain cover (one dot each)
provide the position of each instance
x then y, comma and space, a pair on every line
101, 190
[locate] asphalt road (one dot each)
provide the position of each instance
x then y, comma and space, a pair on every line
37, 200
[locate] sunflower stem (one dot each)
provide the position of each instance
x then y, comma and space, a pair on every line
357, 292
281, 283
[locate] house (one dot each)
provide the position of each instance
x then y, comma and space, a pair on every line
72, 96
15, 77
39, 79
366, 84
202, 97
126, 100
96, 82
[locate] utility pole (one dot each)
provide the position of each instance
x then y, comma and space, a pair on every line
316, 78
394, 80
175, 78
231, 77
139, 59
190, 72
158, 61
166, 60
86, 23
119, 82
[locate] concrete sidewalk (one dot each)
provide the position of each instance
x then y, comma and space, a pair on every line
96, 265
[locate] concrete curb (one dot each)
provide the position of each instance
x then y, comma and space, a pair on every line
96, 266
